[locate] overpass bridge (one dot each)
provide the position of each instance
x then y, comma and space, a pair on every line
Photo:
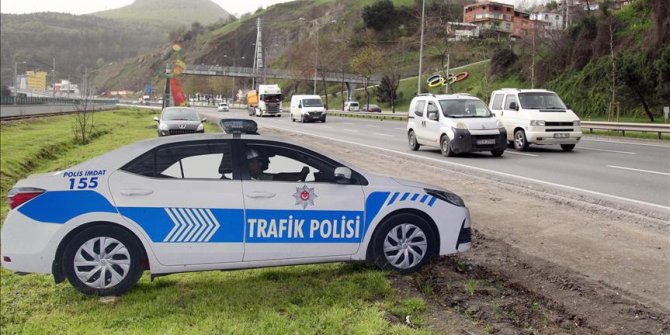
247, 72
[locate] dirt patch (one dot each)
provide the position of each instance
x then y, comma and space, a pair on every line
544, 261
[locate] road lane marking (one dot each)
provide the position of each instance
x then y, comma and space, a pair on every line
441, 161
329, 127
638, 170
629, 143
371, 126
398, 128
350, 130
520, 153
614, 151
380, 134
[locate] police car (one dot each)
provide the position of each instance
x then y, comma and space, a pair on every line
220, 201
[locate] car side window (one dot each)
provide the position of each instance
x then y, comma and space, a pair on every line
195, 161
497, 101
278, 163
508, 102
418, 108
432, 108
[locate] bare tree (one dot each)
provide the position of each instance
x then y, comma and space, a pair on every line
368, 63
82, 122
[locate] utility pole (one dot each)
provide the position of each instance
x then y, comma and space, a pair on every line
53, 77
423, 13
316, 61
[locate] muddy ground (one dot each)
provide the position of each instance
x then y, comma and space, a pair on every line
544, 261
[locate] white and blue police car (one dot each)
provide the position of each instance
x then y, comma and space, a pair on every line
220, 201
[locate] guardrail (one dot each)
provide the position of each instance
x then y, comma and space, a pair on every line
23, 100
660, 129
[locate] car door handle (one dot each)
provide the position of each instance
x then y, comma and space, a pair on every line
136, 191
257, 195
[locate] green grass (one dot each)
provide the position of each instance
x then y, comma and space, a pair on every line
326, 299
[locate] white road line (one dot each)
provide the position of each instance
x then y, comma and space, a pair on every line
638, 170
441, 161
328, 127
614, 151
350, 130
348, 123
520, 153
400, 128
371, 126
380, 134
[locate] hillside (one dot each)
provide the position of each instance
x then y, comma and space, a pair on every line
169, 13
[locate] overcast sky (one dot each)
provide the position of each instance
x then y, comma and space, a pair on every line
235, 7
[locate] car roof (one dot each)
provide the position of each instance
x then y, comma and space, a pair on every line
519, 90
455, 96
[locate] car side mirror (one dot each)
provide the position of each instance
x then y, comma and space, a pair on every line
299, 105
204, 120
514, 106
156, 118
568, 106
343, 175
432, 115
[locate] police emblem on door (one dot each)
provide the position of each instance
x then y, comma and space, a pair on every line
304, 196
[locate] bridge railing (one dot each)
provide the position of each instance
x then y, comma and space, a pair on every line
214, 70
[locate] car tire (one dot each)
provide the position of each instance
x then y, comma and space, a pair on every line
292, 118
404, 243
567, 147
111, 271
445, 148
497, 153
323, 119
413, 143
520, 142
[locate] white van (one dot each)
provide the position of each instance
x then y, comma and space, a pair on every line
307, 108
455, 123
536, 117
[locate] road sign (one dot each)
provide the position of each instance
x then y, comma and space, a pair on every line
148, 89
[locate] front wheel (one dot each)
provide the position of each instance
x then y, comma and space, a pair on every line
497, 153
520, 142
103, 260
413, 143
567, 147
404, 243
445, 148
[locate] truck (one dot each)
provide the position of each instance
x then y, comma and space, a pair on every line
269, 100
252, 102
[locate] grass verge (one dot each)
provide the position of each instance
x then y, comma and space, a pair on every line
325, 299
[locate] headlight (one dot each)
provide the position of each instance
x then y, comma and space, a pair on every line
446, 196
537, 123
499, 124
162, 126
200, 127
577, 123
461, 125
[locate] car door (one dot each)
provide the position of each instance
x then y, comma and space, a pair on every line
187, 200
510, 117
419, 118
432, 127
292, 213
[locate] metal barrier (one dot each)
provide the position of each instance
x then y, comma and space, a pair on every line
660, 129
24, 100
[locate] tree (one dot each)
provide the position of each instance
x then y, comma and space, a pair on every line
366, 64
387, 91
379, 15
635, 72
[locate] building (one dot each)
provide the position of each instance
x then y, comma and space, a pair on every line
523, 26
36, 80
490, 16
554, 20
462, 31
66, 88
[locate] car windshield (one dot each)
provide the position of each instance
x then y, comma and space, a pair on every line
540, 100
271, 97
464, 108
181, 114
312, 103
353, 104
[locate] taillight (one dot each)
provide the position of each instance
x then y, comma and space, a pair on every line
20, 195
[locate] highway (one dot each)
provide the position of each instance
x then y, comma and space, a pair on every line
614, 169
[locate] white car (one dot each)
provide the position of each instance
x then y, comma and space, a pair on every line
223, 107
220, 201
455, 123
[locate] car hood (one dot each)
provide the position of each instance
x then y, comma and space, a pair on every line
553, 114
475, 123
378, 180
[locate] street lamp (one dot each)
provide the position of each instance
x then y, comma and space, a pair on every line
423, 12
316, 59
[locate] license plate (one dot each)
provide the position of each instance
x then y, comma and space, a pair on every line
486, 141
561, 135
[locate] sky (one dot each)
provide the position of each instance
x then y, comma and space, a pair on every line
234, 7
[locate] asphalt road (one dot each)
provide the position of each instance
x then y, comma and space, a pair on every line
613, 169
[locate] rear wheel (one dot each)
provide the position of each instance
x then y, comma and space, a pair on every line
404, 243
567, 147
445, 148
103, 260
520, 142
413, 143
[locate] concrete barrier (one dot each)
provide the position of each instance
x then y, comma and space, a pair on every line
35, 110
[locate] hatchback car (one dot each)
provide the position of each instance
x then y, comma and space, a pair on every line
178, 121
223, 107
371, 108
220, 201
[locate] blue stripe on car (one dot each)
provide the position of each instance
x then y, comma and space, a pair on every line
62, 206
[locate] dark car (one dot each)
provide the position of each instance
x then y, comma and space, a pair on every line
371, 108
178, 121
